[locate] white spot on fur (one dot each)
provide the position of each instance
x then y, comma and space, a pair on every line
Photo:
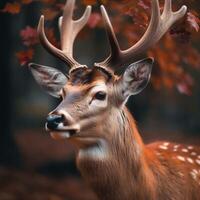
163, 147
181, 174
181, 158
193, 153
194, 176
198, 156
176, 146
190, 147
166, 143
195, 171
184, 150
198, 161
190, 160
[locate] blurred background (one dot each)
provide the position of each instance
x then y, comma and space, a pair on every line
32, 165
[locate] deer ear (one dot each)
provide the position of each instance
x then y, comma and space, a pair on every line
50, 79
136, 77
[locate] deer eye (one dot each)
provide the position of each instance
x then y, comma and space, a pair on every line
100, 96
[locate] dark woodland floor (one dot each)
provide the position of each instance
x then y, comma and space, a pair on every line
18, 185
48, 171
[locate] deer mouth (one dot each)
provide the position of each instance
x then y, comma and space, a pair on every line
62, 135
64, 132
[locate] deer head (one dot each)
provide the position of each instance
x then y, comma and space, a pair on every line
90, 95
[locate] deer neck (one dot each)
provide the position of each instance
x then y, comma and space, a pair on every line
116, 167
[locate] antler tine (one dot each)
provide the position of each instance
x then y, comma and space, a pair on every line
167, 12
159, 24
115, 51
51, 48
114, 45
69, 30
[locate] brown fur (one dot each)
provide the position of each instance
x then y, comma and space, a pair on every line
134, 171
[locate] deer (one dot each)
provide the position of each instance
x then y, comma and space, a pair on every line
92, 114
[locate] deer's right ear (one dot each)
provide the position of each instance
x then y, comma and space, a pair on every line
50, 79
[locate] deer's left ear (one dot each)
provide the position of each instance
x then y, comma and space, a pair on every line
50, 79
136, 77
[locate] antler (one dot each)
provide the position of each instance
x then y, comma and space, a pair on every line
68, 32
158, 26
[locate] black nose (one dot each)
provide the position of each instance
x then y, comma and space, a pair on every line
53, 121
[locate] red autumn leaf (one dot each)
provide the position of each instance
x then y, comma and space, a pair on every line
25, 56
139, 17
12, 8
185, 85
183, 88
193, 21
145, 5
49, 13
95, 18
29, 36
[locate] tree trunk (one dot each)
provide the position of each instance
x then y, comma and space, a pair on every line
9, 154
